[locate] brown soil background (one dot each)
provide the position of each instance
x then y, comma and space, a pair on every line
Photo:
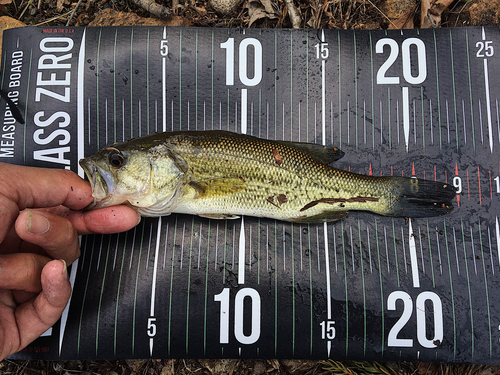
336, 14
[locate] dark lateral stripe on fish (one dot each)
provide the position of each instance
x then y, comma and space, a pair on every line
339, 200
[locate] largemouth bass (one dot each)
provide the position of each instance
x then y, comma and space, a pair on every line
222, 175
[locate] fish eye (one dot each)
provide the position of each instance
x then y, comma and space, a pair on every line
116, 159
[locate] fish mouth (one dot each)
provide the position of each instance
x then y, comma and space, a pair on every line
101, 182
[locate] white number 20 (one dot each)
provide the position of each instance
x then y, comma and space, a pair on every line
436, 311
383, 79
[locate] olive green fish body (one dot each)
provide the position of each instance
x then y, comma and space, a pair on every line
223, 175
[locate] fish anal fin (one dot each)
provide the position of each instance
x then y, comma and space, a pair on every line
323, 217
219, 216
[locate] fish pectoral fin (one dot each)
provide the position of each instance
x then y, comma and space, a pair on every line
219, 216
324, 154
323, 217
217, 187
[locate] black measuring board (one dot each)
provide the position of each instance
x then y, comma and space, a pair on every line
415, 103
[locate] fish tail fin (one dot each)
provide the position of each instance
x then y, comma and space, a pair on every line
420, 198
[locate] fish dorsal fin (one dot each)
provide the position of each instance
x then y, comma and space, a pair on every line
324, 154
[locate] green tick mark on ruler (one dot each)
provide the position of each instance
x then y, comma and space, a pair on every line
421, 104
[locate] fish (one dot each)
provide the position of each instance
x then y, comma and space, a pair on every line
223, 175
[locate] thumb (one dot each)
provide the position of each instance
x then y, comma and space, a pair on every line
39, 314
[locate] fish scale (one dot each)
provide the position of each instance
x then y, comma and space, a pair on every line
294, 174
219, 174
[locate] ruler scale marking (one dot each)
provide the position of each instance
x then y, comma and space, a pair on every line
405, 261
488, 102
325, 226
486, 290
491, 252
469, 292
186, 94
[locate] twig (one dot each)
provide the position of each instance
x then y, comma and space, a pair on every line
24, 10
153, 8
73, 12
293, 13
53, 19
460, 11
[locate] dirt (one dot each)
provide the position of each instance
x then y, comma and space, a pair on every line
344, 14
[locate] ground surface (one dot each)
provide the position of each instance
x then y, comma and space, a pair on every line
344, 14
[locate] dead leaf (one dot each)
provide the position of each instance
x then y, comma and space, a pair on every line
259, 9
404, 21
60, 5
202, 12
5, 2
431, 11
267, 6
8, 23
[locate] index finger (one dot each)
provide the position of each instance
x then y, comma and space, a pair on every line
30, 187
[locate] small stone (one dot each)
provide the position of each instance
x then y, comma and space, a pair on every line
259, 368
225, 7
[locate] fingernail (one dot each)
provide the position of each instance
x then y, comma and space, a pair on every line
36, 223
138, 219
65, 269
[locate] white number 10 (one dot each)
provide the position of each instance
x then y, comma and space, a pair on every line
228, 45
223, 298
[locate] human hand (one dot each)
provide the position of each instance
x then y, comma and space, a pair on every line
40, 220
